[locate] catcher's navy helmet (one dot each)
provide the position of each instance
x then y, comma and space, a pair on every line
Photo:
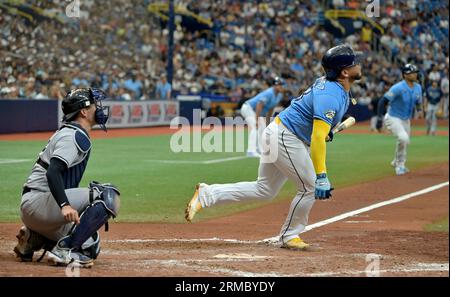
74, 101
78, 99
338, 58
410, 68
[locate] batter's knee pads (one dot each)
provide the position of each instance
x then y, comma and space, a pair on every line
108, 195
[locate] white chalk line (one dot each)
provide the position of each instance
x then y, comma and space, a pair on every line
13, 161
274, 240
366, 209
193, 264
214, 161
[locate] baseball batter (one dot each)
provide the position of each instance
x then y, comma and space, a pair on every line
300, 133
402, 98
58, 216
257, 110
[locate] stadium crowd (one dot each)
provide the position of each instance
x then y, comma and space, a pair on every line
122, 48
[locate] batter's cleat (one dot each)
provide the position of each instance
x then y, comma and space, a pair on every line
295, 244
400, 170
393, 163
194, 205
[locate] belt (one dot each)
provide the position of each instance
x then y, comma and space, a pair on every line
26, 190
42, 163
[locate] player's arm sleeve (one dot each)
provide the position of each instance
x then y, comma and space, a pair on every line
54, 175
381, 108
326, 107
318, 146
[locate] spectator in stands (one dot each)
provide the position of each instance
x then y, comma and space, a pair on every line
163, 89
434, 75
366, 33
133, 85
42, 93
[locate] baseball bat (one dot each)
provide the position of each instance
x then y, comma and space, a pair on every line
350, 121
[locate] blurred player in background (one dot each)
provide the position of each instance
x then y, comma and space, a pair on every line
402, 98
258, 111
296, 141
434, 96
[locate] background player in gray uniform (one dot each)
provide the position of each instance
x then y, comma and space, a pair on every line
296, 149
434, 95
58, 216
402, 97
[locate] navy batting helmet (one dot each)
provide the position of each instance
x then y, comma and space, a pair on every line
278, 81
410, 68
338, 58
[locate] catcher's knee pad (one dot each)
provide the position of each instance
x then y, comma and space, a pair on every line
108, 195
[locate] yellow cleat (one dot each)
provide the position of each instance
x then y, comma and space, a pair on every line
193, 206
295, 244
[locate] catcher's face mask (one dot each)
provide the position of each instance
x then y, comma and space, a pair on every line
101, 112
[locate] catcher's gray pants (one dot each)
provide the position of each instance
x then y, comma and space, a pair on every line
41, 213
289, 158
402, 130
431, 117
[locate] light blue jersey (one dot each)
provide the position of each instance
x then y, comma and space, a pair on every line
403, 99
163, 89
326, 100
269, 99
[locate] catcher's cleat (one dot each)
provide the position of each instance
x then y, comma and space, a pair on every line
24, 251
63, 256
28, 242
295, 244
193, 206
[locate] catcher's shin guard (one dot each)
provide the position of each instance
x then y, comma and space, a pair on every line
104, 206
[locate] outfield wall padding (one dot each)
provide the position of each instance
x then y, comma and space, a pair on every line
18, 116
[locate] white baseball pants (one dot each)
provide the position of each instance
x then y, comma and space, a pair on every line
402, 130
288, 159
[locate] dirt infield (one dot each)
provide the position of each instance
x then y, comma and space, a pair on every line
392, 236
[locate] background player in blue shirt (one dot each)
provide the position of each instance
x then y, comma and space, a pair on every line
402, 98
257, 112
294, 148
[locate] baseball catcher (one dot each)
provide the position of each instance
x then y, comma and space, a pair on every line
58, 216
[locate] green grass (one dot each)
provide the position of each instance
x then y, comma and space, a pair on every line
439, 226
158, 192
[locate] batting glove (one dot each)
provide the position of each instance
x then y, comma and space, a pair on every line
323, 187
